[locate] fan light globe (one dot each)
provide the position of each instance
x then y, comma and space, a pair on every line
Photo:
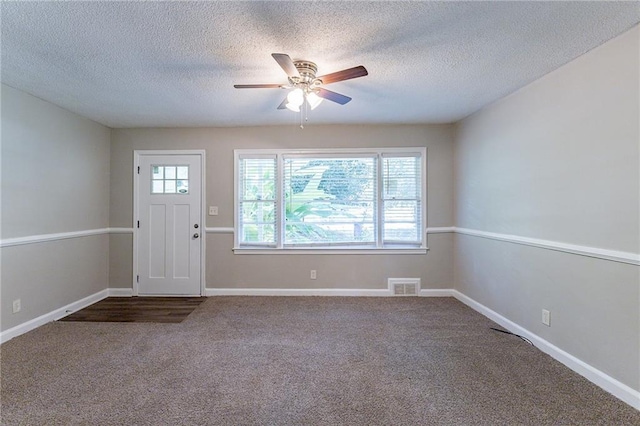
313, 100
296, 97
291, 107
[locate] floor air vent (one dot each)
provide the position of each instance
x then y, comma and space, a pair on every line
404, 286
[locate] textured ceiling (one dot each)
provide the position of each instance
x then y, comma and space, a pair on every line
140, 64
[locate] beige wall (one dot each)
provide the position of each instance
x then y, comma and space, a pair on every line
559, 160
55, 179
226, 270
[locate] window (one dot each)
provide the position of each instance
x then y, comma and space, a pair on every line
257, 201
169, 179
330, 199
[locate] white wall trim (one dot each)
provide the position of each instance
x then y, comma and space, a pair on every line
31, 239
441, 230
120, 292
121, 230
43, 238
220, 230
319, 251
296, 292
612, 255
230, 230
374, 292
436, 292
606, 382
52, 316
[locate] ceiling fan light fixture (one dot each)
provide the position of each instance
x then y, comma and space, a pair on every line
305, 86
296, 97
292, 107
313, 100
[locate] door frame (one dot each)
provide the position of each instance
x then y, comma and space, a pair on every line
136, 210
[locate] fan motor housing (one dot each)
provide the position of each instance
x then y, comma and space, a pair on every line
307, 71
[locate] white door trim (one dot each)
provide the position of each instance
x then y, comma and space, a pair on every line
136, 212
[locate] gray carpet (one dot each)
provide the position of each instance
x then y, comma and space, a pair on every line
296, 361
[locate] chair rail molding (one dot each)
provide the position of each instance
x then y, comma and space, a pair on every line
43, 238
220, 230
33, 239
605, 254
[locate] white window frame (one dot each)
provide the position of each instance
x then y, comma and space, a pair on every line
341, 249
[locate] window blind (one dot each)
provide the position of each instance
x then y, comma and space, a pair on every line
401, 199
257, 201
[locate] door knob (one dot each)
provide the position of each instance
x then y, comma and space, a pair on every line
195, 226
195, 235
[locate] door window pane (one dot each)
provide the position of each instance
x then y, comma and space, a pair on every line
169, 179
169, 172
157, 187
183, 186
169, 186
157, 172
183, 172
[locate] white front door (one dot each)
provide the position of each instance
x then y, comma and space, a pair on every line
170, 224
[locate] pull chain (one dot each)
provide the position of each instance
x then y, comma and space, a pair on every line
303, 111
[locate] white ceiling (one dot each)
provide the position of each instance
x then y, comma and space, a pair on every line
150, 64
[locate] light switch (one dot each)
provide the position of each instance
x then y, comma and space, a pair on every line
213, 210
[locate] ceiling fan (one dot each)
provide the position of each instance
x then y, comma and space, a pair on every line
305, 85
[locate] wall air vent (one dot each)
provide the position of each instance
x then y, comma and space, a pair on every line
404, 286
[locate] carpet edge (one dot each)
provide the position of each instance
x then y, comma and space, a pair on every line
616, 388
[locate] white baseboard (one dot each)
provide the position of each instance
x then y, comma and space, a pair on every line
436, 292
606, 382
295, 292
120, 292
318, 292
52, 316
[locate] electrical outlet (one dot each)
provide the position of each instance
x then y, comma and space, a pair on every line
213, 210
546, 318
16, 306
313, 274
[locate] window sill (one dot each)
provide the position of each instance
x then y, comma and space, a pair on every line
329, 250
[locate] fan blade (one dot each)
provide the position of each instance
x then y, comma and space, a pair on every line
258, 86
286, 63
283, 105
347, 74
333, 96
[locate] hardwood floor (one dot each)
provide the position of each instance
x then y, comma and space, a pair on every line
138, 309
